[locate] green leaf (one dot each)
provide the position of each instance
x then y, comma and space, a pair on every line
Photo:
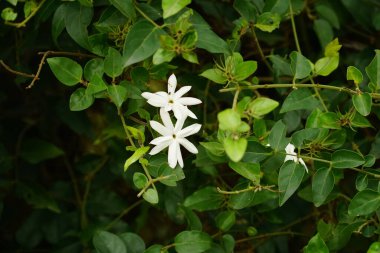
29, 6
332, 48
192, 219
133, 242
163, 55
80, 100
58, 22
151, 196
261, 106
289, 179
301, 67
225, 220
250, 171
92, 68
277, 136
316, 245
215, 75
244, 69
36, 150
268, 21
214, 148
204, 199
361, 182
364, 203
171, 7
362, 103
192, 241
229, 119
342, 159
324, 31
113, 63
246, 9
141, 42
373, 69
8, 14
106, 242
140, 152
354, 74
374, 248
299, 99
328, 13
326, 65
67, 71
126, 7
140, 180
118, 94
12, 2
329, 120
323, 183
156, 248
235, 149
96, 85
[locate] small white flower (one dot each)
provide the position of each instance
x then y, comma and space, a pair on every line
292, 156
173, 101
173, 137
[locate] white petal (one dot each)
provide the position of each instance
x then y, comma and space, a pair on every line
147, 95
158, 127
165, 117
172, 84
179, 111
189, 101
168, 107
194, 128
179, 156
190, 113
157, 100
162, 94
290, 149
181, 92
188, 145
162, 139
303, 163
158, 148
172, 154
179, 124
290, 158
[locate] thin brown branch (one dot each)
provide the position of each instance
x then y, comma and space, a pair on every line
9, 69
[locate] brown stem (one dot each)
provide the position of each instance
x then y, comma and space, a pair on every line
9, 69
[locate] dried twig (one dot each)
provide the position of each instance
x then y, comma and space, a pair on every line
9, 69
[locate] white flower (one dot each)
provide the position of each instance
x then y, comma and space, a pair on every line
173, 100
292, 156
173, 137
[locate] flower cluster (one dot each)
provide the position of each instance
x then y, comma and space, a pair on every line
173, 136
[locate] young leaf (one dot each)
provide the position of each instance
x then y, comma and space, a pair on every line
171, 7
106, 242
67, 71
151, 196
113, 63
244, 70
268, 21
316, 245
261, 106
80, 100
362, 103
229, 119
136, 156
250, 171
118, 94
192, 241
354, 74
301, 67
342, 159
235, 149
204, 199
299, 99
364, 203
215, 75
163, 55
289, 179
8, 14
322, 185
326, 65
139, 180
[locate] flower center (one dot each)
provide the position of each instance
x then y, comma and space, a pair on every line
174, 136
171, 101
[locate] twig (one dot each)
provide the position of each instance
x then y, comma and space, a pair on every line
23, 23
123, 213
260, 50
9, 69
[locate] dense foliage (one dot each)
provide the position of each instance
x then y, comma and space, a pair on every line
286, 159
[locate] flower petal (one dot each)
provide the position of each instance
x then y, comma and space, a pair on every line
158, 127
179, 124
156, 100
179, 156
190, 113
181, 92
289, 149
161, 139
303, 163
165, 117
189, 101
188, 145
158, 148
172, 84
147, 95
172, 154
187, 131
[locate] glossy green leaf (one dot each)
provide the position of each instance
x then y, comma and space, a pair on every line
140, 152
214, 148
299, 99
289, 179
229, 119
80, 100
156, 248
268, 21
374, 248
301, 67
362, 103
244, 69
140, 180
215, 75
126, 7
250, 171
373, 69
225, 220
235, 149
93, 67
329, 120
151, 196
192, 241
342, 159
326, 65
78, 18
316, 245
106, 242
163, 55
322, 185
361, 182
141, 42
261, 106
118, 94
171, 7
354, 74
58, 22
277, 136
364, 203
67, 71
204, 199
113, 63
96, 85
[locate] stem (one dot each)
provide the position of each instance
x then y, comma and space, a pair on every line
146, 17
313, 158
151, 182
125, 127
124, 212
294, 27
260, 50
23, 23
249, 188
73, 181
270, 235
236, 98
319, 95
366, 172
9, 69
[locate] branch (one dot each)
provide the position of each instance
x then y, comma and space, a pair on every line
23, 23
9, 69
